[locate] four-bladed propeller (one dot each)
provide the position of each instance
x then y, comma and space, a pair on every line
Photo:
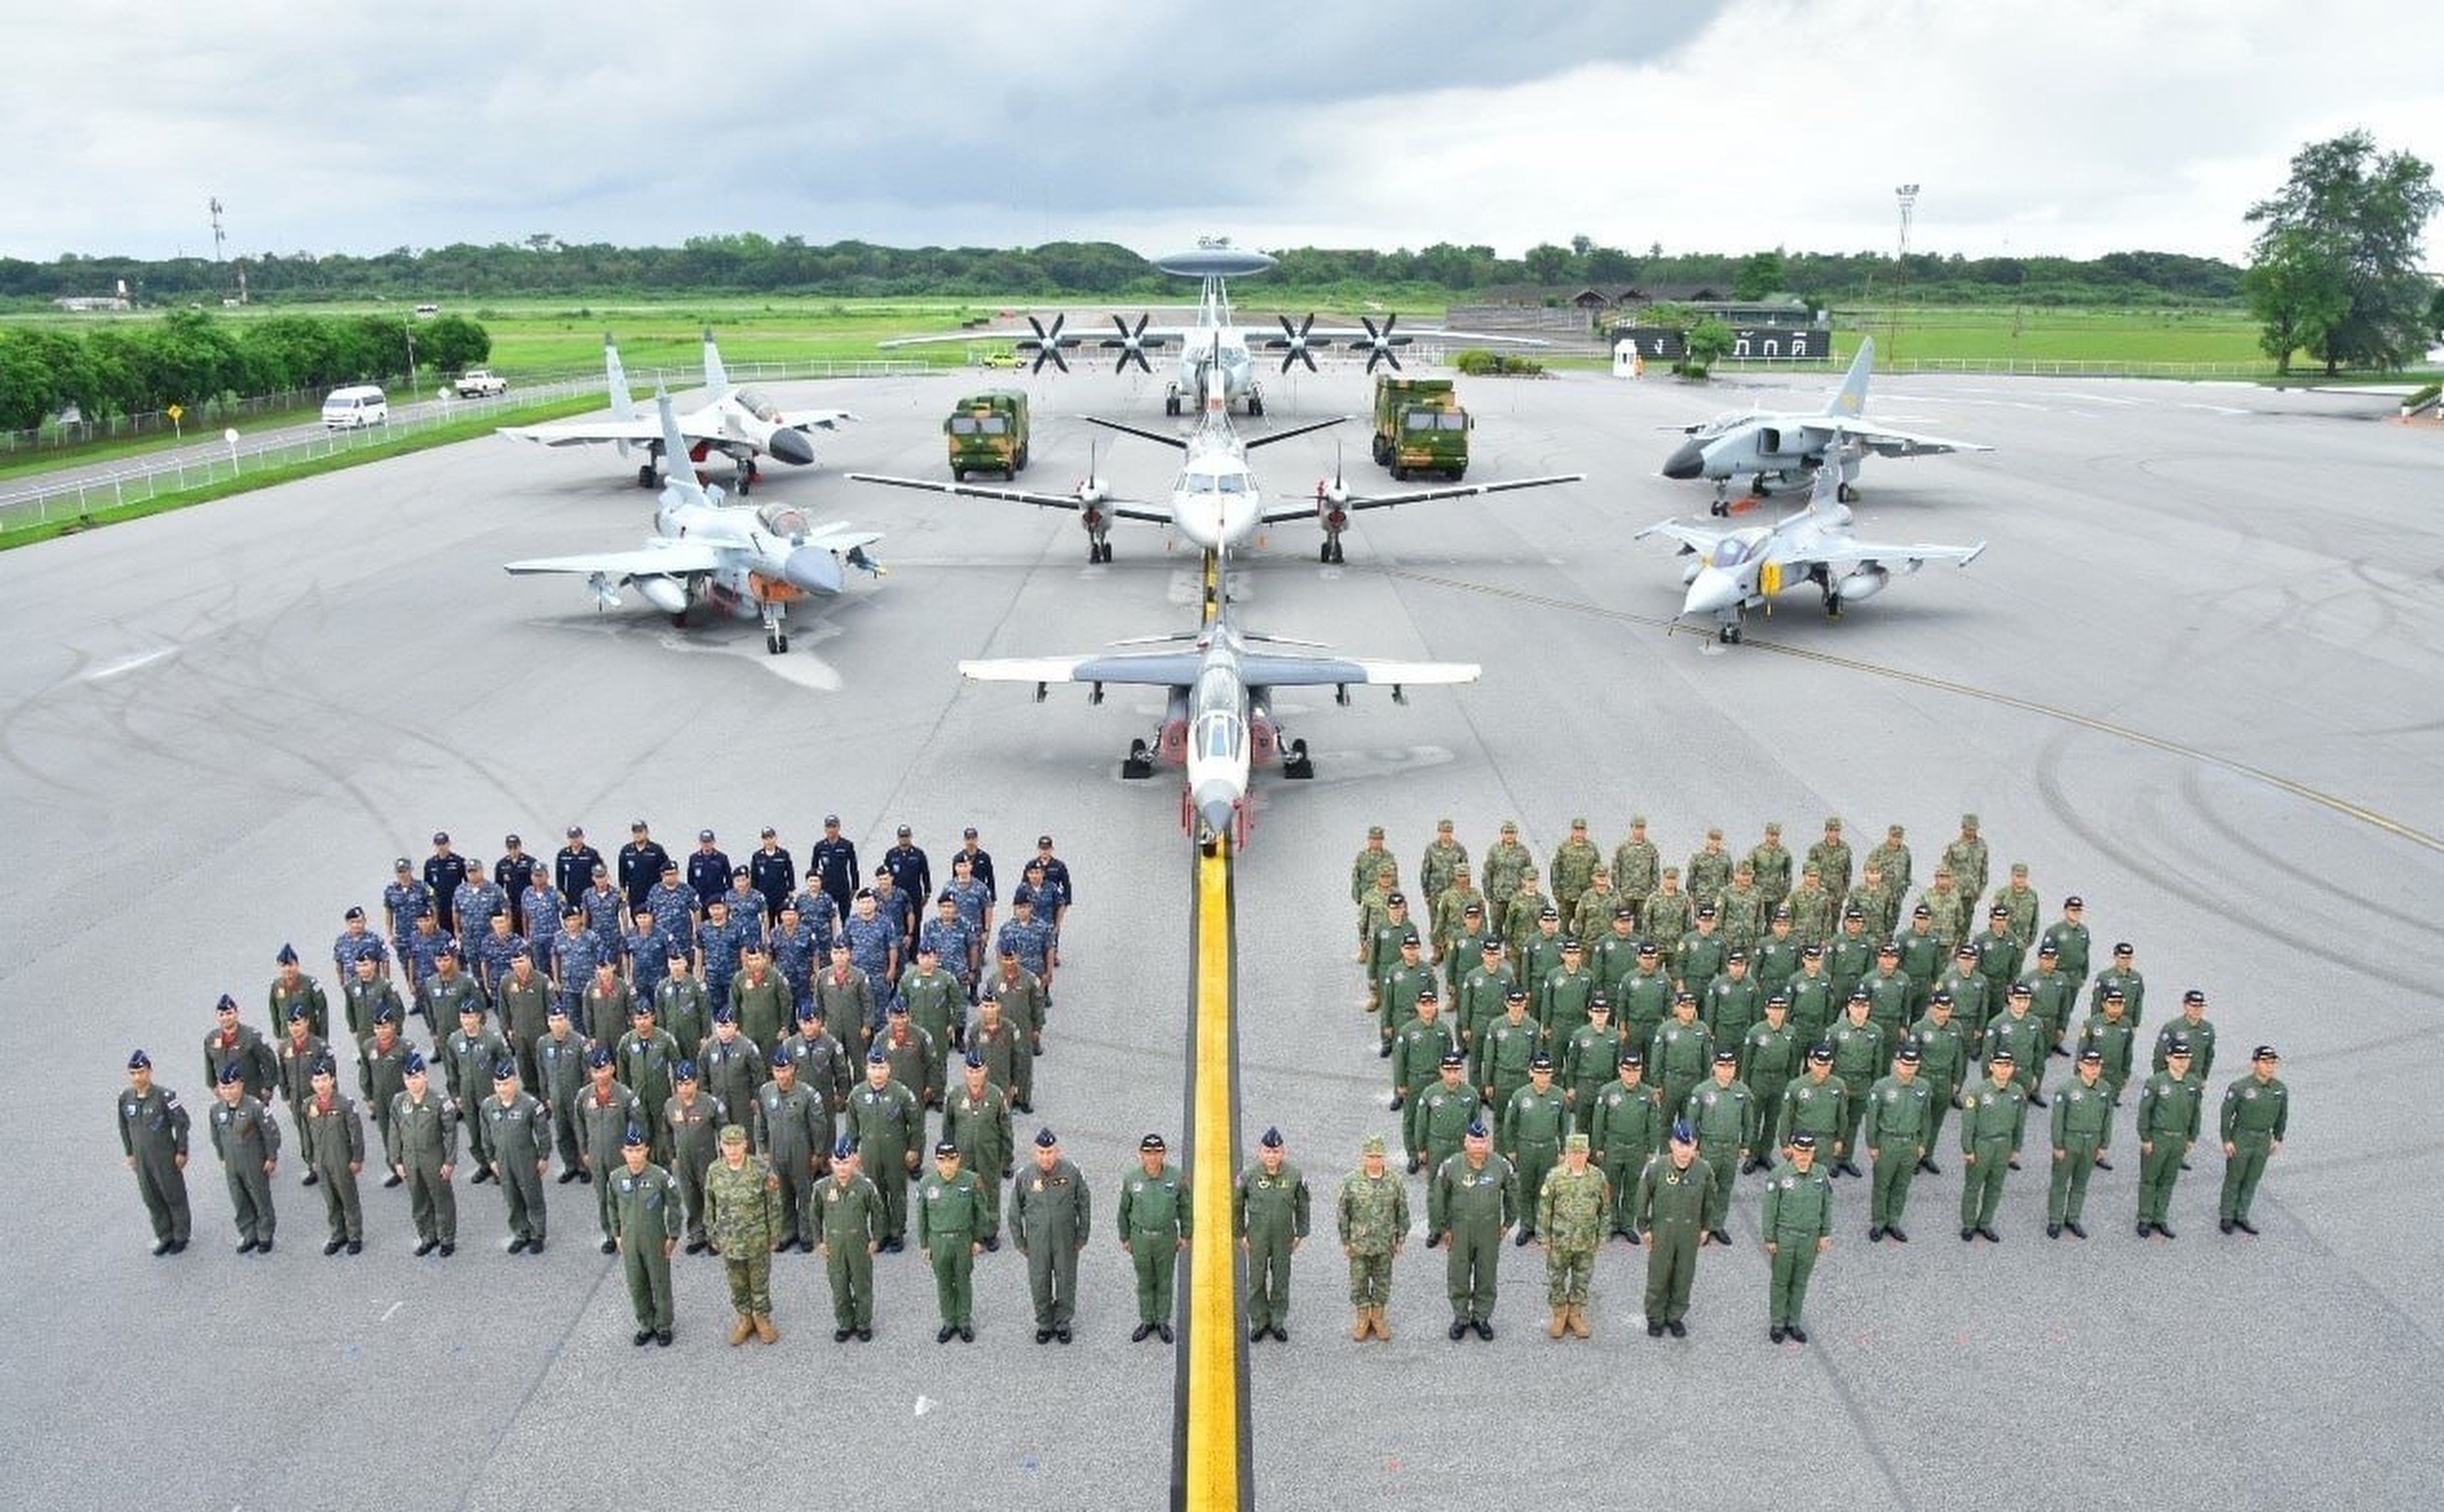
1379, 344
1131, 345
1295, 344
1047, 344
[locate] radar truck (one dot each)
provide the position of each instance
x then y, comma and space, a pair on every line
988, 433
1420, 427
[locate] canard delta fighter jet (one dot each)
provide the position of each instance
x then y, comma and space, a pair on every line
1220, 721
1785, 450
752, 563
1736, 569
738, 424
1214, 503
1217, 340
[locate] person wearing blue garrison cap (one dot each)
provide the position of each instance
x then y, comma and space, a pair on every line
1051, 1213
1473, 1199
153, 1128
888, 1122
1673, 1191
850, 1225
646, 1217
517, 1138
692, 1130
247, 1138
331, 1139
422, 1143
1269, 1214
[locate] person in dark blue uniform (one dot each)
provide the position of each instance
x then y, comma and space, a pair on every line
443, 870
573, 869
832, 866
640, 865
708, 870
773, 872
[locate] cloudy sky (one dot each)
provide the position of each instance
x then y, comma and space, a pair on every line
2034, 127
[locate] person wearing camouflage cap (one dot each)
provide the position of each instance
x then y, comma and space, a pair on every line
1637, 869
1373, 1214
850, 1228
1474, 1198
1594, 915
1508, 865
1770, 863
1459, 927
2167, 1130
1798, 1223
1710, 868
1440, 866
1668, 913
247, 1138
1968, 859
332, 1138
1741, 906
1573, 868
1573, 1209
1831, 857
1269, 1214
1674, 1191
743, 1214
422, 1144
1368, 865
517, 1140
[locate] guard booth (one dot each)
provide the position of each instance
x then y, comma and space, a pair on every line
1627, 361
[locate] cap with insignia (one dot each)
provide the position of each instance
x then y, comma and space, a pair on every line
780, 1056
725, 1014
1782, 912
1773, 826
1570, 943
876, 1057
844, 1147
1046, 1139
1909, 1052
2093, 1053
2192, 995
506, 1071
1599, 1004
1820, 1051
1802, 1140
2114, 995
2048, 947
1477, 910
226, 1005
1737, 954
1705, 910
1549, 912
1539, 1061
232, 1074
1777, 1000
1371, 1145
2002, 1056
297, 1011
412, 1065
1940, 995
2263, 1052
635, 1138
1672, 872
2020, 990
1888, 947
733, 1134
1453, 1057
1152, 1142
353, 915
1477, 1129
386, 1014
2124, 948
325, 1066
975, 1060
1714, 832
1853, 911
1682, 1134
1272, 1137
1427, 994
1374, 832
1622, 910
684, 1071
1727, 1057
1509, 826
403, 865
1632, 1058
599, 1056
1811, 952
1921, 912
1410, 940
138, 1061
2074, 901
1648, 947
1515, 994
1833, 824
442, 837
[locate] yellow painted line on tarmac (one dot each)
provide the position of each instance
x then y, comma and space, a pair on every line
1212, 1475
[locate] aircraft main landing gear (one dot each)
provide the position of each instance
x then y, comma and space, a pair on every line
645, 476
1099, 550
1296, 764
1140, 761
1332, 550
776, 634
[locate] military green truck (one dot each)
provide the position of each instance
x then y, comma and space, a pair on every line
1420, 427
988, 433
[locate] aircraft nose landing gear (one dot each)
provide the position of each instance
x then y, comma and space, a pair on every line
1140, 761
1296, 765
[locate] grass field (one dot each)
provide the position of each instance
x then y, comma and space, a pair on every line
2203, 335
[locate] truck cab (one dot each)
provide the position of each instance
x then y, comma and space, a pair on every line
988, 433
1420, 427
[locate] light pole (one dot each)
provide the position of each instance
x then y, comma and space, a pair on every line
1907, 194
407, 324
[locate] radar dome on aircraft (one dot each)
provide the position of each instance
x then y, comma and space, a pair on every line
1214, 261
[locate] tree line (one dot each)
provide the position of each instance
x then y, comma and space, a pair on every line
754, 264
192, 357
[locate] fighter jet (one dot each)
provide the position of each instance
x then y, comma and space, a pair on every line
1220, 721
1785, 450
1734, 570
1214, 503
752, 563
737, 424
1217, 340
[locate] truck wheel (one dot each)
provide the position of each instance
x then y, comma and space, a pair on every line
958, 474
1458, 472
1382, 454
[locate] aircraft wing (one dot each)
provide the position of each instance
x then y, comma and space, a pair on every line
1150, 669
1697, 538
1456, 490
1886, 442
1845, 553
816, 419
677, 558
1273, 668
1258, 337
1119, 508
609, 429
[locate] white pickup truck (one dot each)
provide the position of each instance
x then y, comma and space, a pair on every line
481, 384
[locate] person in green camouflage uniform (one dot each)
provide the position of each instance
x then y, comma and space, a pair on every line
1967, 859
1506, 862
1270, 1217
1368, 870
1798, 1223
742, 1212
1637, 867
1673, 1191
2020, 905
647, 1215
1771, 864
1993, 1116
1626, 1132
1573, 868
1740, 910
1594, 916
1710, 868
1373, 1211
1814, 909
1459, 917
2082, 1128
2256, 1114
1831, 858
1901, 1121
951, 1210
1442, 864
1474, 1198
2167, 1130
1667, 912
1947, 911
1573, 1209
1891, 859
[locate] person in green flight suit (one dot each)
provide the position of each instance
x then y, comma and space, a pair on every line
1673, 1191
1993, 1115
2256, 1114
2082, 1125
951, 1214
1798, 1223
1269, 1214
849, 1229
1155, 1224
1473, 1199
647, 1217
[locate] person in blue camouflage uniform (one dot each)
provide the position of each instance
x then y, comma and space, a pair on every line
405, 901
716, 950
973, 894
873, 944
539, 903
899, 907
820, 915
745, 906
955, 947
353, 941
494, 949
831, 865
421, 956
674, 904
477, 899
641, 863
771, 873
1029, 936
569, 958
605, 910
646, 950
795, 950
708, 870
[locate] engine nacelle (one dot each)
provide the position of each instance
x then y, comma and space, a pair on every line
1332, 517
1094, 522
669, 595
1863, 584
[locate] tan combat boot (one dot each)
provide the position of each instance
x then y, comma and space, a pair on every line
1577, 1321
1382, 1325
1560, 1325
765, 1332
1364, 1326
741, 1329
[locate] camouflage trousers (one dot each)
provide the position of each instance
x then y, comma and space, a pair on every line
1567, 1271
1370, 1280
750, 1279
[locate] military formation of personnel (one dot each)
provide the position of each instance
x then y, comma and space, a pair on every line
1604, 1060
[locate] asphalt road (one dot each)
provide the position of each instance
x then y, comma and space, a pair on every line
2197, 678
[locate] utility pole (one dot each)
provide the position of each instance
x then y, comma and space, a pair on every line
1907, 194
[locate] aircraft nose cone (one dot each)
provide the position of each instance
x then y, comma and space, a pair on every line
1215, 804
791, 446
813, 569
1713, 591
1685, 463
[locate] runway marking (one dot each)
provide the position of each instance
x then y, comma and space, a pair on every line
392, 1310
1209, 1398
127, 664
2344, 807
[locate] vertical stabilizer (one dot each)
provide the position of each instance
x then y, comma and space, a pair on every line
1849, 401
717, 377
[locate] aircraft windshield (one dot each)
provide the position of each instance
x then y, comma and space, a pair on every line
1219, 736
757, 405
1738, 547
782, 518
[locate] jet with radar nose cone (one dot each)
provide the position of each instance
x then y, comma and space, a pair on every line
751, 564
735, 426
1736, 569
1218, 724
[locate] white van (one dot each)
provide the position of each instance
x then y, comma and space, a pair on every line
361, 404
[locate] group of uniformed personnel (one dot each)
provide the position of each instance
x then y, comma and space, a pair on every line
1627, 1047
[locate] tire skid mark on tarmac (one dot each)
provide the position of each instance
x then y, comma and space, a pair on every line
2125, 733
2360, 905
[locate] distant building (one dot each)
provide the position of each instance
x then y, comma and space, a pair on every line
80, 304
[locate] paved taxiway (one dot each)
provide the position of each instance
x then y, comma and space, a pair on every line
2203, 657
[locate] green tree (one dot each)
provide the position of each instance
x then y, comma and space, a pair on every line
1548, 264
452, 344
2298, 289
2363, 212
1710, 342
1760, 274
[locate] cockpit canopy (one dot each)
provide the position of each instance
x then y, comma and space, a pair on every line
1197, 480
754, 403
1738, 547
782, 518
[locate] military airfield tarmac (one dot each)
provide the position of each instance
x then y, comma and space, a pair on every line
2197, 677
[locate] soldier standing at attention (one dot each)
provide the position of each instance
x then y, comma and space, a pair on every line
1534, 1120
1155, 1225
1366, 869
292, 986
298, 1054
422, 1142
1438, 1118
152, 1135
1625, 1132
2082, 1125
1269, 1213
1668, 913
950, 1211
2192, 1027
468, 1058
1945, 1058
1458, 924
1831, 858
1474, 1197
1798, 1223
1051, 1215
851, 1230
2069, 937
1710, 868
605, 1108
1589, 1061
573, 867
831, 865
2019, 903
741, 1205
559, 1080
1635, 869
1770, 862
247, 1138
1573, 868
772, 873
1373, 1222
1506, 862
333, 1137
1861, 1050
2123, 977
366, 991
1673, 1191
518, 1137
2168, 1127
1573, 1209
1683, 1049
888, 1124
646, 1221
1900, 1123
2256, 1112
976, 1119
793, 1133
691, 1124
1891, 859
1439, 867
2051, 994
2113, 1036
1724, 1113
1967, 860
443, 872
646, 1059
382, 1076
405, 901
232, 1043
1994, 1113
641, 861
